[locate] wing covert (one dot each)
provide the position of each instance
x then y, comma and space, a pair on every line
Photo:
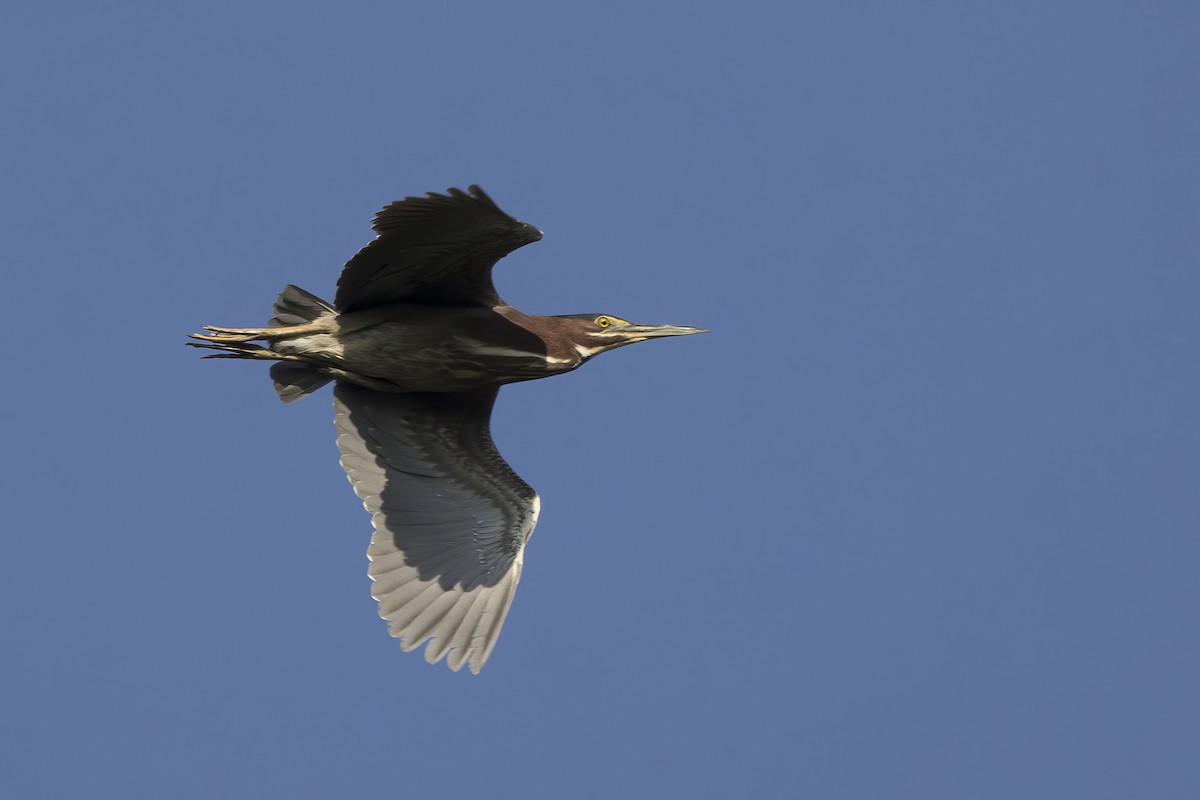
433, 250
451, 517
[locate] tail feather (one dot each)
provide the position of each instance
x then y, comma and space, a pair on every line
294, 306
293, 380
293, 376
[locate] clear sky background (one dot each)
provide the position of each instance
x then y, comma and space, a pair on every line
919, 518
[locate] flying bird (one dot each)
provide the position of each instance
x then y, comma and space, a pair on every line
418, 343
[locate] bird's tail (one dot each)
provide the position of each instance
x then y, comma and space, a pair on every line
294, 306
293, 378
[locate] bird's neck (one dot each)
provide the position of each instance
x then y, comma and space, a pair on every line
552, 331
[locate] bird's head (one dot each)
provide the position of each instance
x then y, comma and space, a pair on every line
592, 334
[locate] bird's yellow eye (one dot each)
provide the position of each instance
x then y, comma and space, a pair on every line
603, 322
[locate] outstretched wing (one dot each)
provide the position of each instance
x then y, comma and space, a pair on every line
433, 250
451, 517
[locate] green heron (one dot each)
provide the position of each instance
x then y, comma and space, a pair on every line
419, 343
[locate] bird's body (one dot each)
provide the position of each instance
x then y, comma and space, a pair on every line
413, 348
419, 344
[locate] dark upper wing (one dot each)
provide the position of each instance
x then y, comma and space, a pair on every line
451, 517
433, 250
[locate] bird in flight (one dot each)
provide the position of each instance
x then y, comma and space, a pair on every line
418, 344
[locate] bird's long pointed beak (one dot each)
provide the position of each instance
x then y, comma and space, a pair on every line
656, 331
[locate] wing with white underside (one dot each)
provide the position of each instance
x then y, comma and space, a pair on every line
451, 517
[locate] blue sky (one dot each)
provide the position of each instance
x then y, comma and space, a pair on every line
919, 518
